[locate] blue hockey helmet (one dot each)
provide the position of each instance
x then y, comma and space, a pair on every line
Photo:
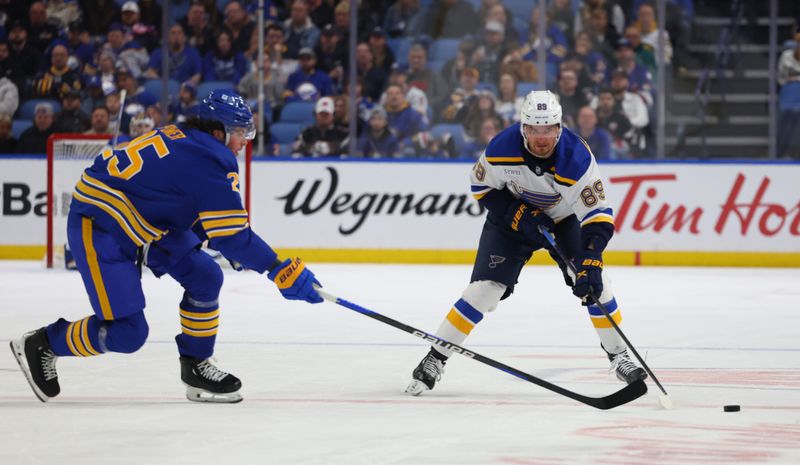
230, 109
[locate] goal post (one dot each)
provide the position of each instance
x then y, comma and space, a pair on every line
68, 155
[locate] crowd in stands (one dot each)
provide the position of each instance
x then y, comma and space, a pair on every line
435, 78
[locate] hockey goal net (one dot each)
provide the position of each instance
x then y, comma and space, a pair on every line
68, 155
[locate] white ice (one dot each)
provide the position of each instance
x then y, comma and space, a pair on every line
324, 384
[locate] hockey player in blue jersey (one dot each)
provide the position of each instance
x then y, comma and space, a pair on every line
535, 173
152, 201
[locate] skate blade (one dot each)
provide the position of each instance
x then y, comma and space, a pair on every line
416, 387
200, 395
18, 349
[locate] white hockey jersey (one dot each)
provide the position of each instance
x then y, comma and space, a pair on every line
566, 183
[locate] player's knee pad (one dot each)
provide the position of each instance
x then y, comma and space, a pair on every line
125, 335
484, 295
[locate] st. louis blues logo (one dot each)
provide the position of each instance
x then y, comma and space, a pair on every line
495, 260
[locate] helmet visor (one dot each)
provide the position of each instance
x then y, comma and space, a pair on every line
246, 132
541, 131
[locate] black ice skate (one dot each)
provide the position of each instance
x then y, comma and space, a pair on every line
207, 383
625, 368
427, 373
38, 363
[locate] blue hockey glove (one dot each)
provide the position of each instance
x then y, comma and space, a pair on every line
295, 281
526, 220
589, 279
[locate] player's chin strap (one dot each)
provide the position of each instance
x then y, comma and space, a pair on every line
547, 235
623, 396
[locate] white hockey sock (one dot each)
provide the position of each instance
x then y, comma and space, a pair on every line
468, 311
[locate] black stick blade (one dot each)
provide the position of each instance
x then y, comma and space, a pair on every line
630, 392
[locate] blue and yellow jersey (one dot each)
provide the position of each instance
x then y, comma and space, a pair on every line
566, 183
171, 179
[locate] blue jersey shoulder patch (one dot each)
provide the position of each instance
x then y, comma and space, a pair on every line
573, 158
506, 147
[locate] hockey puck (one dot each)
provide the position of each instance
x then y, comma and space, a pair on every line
731, 408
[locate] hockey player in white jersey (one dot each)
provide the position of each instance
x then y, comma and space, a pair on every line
535, 173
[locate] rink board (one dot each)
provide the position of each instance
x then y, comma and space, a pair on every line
743, 214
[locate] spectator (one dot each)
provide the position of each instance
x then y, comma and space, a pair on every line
498, 13
598, 139
575, 62
137, 98
789, 63
452, 69
427, 80
570, 97
115, 39
307, 73
488, 129
414, 96
320, 12
145, 35
8, 144
612, 11
341, 21
41, 32
185, 105
106, 68
103, 13
625, 138
6, 69
383, 57
633, 105
134, 57
403, 19
199, 32
556, 43
407, 124
71, 119
462, 95
187, 64
450, 19
274, 82
323, 138
646, 21
604, 35
331, 54
488, 57
640, 81
96, 94
374, 78
643, 52
562, 16
80, 46
100, 122
62, 12
274, 42
595, 63
240, 25
9, 97
58, 79
116, 116
25, 60
224, 63
34, 139
378, 141
478, 110
302, 33
508, 104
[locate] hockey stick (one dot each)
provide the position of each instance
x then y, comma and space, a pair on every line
623, 396
666, 403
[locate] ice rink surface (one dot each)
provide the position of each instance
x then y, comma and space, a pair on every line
324, 384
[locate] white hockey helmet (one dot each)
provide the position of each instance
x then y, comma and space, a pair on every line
140, 124
540, 108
